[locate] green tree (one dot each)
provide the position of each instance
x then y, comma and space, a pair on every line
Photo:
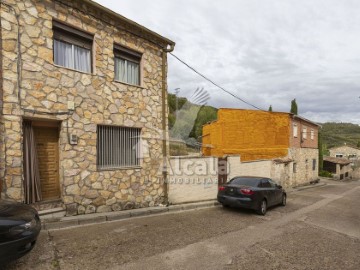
294, 107
270, 109
358, 144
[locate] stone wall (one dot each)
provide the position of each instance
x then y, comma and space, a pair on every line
346, 151
47, 88
304, 170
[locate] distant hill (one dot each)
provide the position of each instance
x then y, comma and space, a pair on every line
335, 134
205, 114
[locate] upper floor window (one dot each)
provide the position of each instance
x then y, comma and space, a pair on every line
312, 134
72, 48
127, 65
295, 130
304, 133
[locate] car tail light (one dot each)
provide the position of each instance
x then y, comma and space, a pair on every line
246, 191
221, 188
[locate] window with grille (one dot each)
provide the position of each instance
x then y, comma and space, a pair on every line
118, 147
314, 165
72, 48
127, 65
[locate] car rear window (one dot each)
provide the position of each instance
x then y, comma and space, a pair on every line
251, 182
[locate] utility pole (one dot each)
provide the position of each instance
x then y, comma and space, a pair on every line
177, 90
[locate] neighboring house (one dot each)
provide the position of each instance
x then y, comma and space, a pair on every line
345, 151
82, 89
339, 167
259, 135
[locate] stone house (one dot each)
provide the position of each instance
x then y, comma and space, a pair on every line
345, 151
83, 107
290, 141
339, 167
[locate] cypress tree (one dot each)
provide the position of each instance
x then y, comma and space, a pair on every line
294, 107
270, 109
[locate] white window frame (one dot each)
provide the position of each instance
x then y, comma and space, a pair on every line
304, 133
312, 134
295, 130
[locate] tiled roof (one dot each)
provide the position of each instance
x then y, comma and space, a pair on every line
341, 161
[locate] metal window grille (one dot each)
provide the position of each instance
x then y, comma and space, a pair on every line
118, 147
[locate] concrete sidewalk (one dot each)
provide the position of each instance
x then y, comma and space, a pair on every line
61, 222
65, 222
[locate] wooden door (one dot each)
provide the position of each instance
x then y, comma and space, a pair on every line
47, 146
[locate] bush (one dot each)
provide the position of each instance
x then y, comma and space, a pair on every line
325, 174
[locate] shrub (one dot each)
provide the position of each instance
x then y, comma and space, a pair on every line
325, 174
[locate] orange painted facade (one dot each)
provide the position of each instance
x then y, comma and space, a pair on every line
252, 134
257, 135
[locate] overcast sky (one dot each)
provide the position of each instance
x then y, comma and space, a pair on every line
265, 51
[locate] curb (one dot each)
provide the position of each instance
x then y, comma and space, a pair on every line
80, 220
307, 187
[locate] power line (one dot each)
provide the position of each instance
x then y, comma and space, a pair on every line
214, 83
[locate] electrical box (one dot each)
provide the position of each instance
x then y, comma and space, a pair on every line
73, 139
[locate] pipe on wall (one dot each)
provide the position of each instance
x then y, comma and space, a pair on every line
164, 121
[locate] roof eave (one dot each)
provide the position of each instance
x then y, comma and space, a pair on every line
130, 22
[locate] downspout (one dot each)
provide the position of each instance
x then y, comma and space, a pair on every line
164, 122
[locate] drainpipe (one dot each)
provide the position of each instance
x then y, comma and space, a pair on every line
164, 121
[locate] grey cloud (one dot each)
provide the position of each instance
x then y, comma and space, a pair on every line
265, 51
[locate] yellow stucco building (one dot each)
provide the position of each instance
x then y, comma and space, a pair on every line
252, 134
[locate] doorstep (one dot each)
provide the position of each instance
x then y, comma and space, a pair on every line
61, 222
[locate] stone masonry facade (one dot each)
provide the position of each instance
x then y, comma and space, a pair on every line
31, 84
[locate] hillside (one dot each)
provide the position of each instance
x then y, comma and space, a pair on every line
191, 118
335, 134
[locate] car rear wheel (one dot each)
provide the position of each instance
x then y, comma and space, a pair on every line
226, 205
283, 201
263, 207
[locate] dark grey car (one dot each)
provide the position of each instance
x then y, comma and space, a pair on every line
257, 193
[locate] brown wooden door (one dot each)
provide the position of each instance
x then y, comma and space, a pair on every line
47, 146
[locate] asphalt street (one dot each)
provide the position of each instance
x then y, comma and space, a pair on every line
318, 229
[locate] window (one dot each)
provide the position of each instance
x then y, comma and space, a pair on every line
314, 165
265, 183
294, 167
295, 130
304, 133
339, 155
312, 134
272, 183
127, 65
72, 48
118, 147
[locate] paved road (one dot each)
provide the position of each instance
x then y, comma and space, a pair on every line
318, 229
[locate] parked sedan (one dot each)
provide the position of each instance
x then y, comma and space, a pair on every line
257, 193
19, 228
